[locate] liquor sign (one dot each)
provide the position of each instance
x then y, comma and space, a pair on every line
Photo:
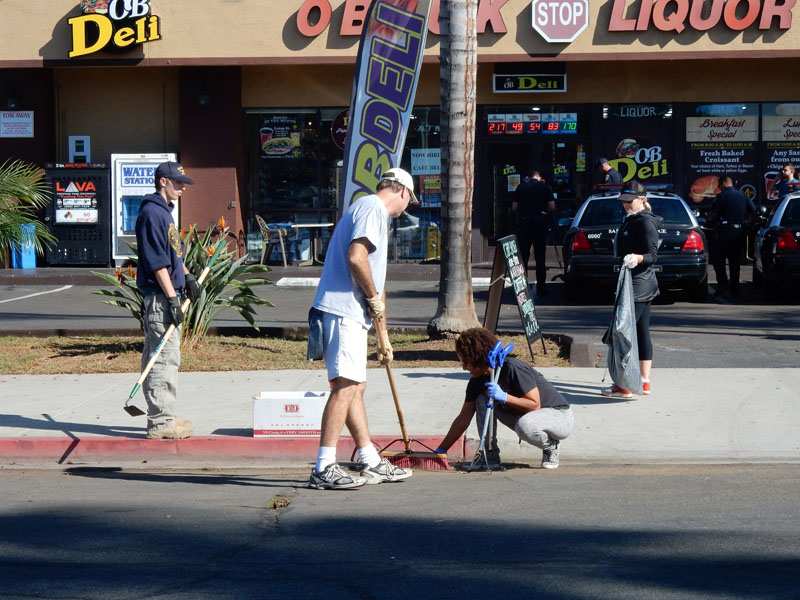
385, 83
112, 24
697, 15
529, 84
16, 124
560, 21
722, 129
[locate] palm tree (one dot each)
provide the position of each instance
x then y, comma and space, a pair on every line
23, 191
458, 53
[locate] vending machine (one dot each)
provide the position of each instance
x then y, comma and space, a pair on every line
79, 215
132, 178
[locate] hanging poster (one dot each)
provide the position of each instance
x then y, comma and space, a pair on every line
709, 161
75, 201
638, 141
780, 132
279, 136
16, 123
430, 190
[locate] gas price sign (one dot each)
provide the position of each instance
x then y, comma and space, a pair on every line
532, 124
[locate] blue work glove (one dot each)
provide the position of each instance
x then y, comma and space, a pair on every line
440, 450
496, 392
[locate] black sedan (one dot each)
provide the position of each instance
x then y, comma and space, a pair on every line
777, 248
588, 250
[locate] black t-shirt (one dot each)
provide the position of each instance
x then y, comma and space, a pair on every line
517, 379
532, 197
733, 207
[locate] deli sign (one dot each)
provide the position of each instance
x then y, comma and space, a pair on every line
112, 24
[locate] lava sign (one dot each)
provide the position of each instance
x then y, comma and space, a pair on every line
560, 21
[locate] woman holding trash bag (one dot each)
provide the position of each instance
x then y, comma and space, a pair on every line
637, 244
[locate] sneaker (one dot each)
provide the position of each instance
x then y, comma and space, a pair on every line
616, 392
333, 477
550, 455
174, 429
646, 388
385, 472
479, 464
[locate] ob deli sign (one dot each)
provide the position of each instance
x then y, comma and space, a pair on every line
112, 25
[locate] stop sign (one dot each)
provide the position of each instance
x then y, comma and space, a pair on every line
560, 21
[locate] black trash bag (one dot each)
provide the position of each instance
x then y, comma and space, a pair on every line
620, 337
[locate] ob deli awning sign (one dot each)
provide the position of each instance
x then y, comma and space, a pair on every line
529, 83
112, 25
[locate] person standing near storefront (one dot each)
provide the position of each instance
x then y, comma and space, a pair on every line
162, 279
610, 176
732, 211
637, 244
786, 184
534, 206
350, 298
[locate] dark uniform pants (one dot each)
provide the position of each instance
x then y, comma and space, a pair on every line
537, 235
730, 248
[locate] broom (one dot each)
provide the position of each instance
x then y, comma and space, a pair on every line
131, 409
406, 458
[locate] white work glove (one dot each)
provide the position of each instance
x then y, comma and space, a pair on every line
385, 351
376, 306
630, 261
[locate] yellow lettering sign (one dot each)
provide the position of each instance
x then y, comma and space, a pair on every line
79, 43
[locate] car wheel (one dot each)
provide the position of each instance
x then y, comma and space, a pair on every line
699, 292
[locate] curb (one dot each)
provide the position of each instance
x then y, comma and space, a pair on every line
201, 449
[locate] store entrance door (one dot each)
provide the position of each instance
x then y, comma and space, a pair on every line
510, 162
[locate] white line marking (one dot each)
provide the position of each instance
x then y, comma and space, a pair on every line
61, 289
298, 282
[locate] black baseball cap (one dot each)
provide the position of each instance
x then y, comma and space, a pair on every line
173, 171
632, 190
600, 161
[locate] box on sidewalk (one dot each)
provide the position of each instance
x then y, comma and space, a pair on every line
288, 414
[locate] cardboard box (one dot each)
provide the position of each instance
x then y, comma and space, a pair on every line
288, 414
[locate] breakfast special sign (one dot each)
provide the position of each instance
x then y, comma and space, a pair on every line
112, 25
387, 73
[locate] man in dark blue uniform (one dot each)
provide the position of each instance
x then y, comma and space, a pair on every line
163, 279
534, 205
732, 211
609, 175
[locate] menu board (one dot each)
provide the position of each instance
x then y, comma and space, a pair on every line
519, 282
506, 124
279, 137
780, 132
708, 161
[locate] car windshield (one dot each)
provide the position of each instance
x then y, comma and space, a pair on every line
791, 216
608, 211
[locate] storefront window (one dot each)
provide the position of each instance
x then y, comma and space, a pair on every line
721, 140
780, 138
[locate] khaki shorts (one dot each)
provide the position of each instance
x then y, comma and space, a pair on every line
345, 344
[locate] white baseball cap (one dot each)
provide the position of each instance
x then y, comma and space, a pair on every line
402, 177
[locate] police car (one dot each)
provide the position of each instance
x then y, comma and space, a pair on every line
588, 249
777, 247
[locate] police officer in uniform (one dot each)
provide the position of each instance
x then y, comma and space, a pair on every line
533, 204
610, 176
732, 211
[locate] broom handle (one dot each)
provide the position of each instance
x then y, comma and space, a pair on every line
397, 407
168, 334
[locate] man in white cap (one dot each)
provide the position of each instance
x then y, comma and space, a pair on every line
350, 297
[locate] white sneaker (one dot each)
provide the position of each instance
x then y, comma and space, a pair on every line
333, 477
385, 472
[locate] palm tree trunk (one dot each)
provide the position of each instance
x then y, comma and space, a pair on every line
458, 55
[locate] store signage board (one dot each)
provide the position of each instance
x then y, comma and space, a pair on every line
560, 21
529, 83
679, 15
132, 178
112, 25
385, 84
16, 124
722, 129
75, 201
426, 161
781, 128
507, 263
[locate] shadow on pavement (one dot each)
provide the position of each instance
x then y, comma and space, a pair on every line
118, 473
49, 424
233, 432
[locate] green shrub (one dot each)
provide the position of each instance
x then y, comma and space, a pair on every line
229, 283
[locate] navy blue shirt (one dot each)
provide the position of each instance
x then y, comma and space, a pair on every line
733, 207
158, 244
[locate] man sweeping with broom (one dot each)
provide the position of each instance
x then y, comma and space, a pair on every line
349, 299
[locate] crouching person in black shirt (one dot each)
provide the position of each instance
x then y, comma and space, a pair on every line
524, 400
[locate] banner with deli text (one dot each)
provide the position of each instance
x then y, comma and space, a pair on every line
385, 83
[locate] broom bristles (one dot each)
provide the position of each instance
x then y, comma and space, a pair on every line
424, 461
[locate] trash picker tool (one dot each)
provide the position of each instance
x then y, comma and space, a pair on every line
496, 358
406, 458
131, 409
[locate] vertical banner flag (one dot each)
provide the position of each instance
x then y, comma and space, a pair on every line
385, 83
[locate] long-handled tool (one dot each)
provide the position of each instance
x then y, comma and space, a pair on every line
131, 409
496, 358
406, 458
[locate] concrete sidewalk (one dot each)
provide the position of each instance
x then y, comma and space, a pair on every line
693, 415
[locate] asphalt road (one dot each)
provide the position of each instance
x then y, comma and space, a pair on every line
699, 532
754, 333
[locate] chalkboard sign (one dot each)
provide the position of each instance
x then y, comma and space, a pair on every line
507, 261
